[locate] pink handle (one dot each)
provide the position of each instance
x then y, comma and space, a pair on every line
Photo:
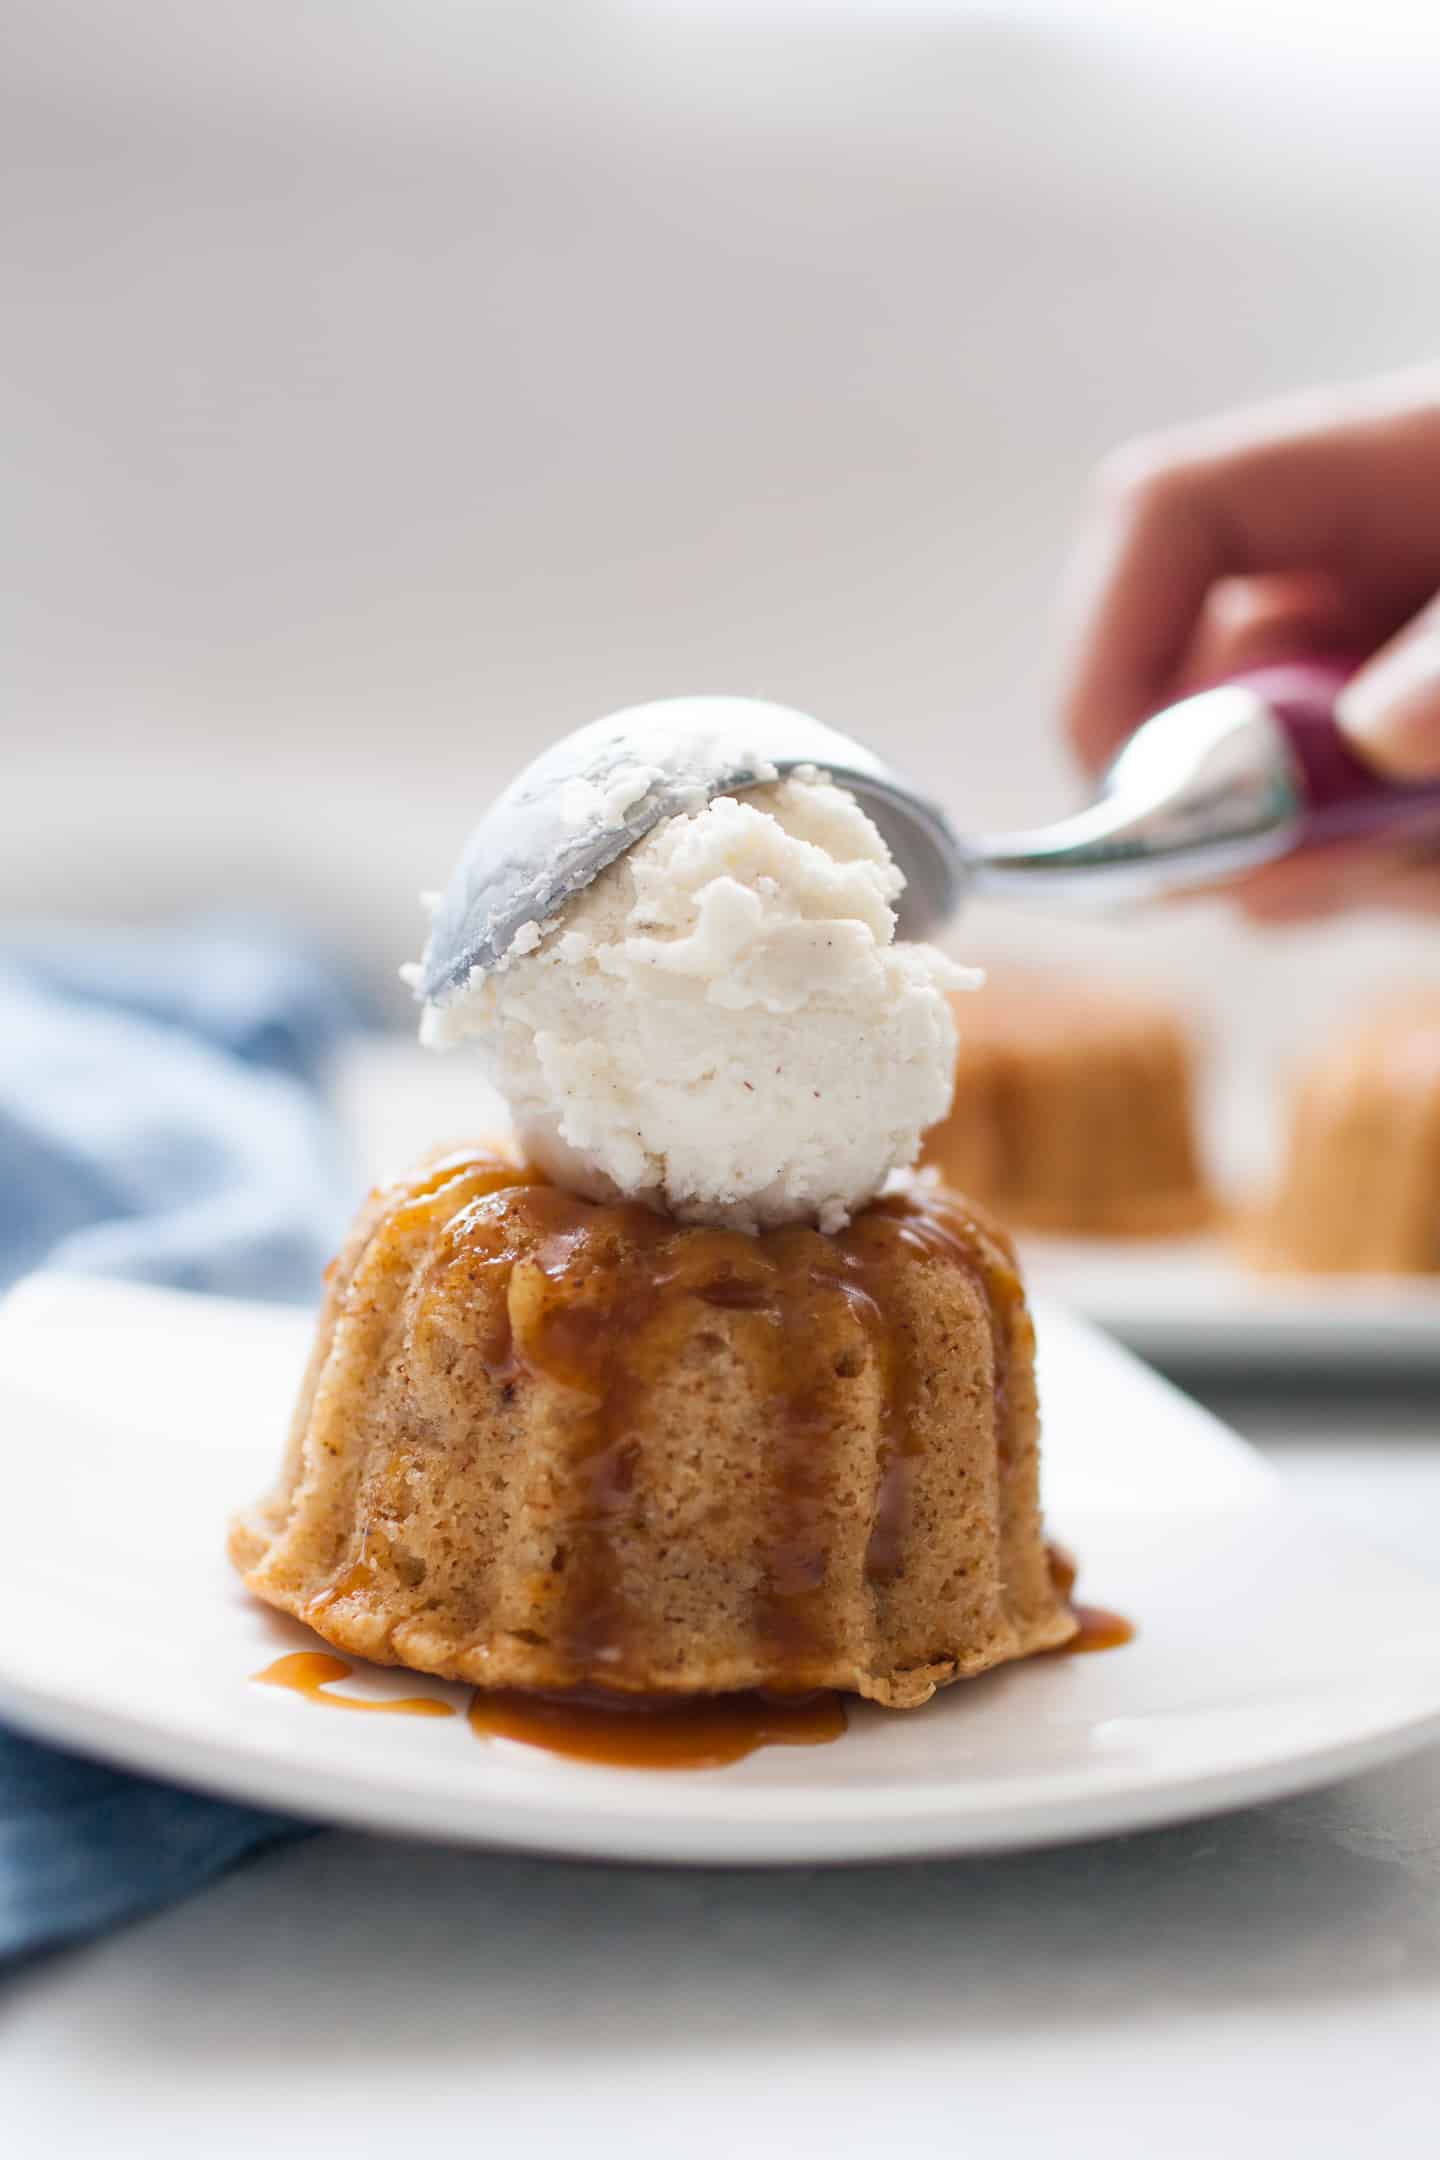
1347, 799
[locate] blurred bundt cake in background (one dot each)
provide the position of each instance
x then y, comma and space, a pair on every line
1359, 1191
1073, 1111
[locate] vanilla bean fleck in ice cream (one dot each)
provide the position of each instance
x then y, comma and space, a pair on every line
723, 1025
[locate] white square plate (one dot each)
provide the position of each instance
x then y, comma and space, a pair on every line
1274, 1653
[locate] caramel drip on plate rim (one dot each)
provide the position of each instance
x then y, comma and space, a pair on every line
310, 1673
696, 1732
692, 1732
1098, 1627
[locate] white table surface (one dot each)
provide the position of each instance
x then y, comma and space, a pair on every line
1268, 1982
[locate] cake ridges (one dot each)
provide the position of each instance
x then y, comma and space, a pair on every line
413, 1328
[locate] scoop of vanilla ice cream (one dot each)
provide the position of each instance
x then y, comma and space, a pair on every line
723, 1025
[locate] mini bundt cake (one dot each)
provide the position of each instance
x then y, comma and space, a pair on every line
1073, 1112
1360, 1189
548, 1444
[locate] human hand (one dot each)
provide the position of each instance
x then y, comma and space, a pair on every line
1307, 528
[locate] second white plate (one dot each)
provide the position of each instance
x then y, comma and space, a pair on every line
1188, 1302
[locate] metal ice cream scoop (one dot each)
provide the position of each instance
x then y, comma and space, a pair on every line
1217, 784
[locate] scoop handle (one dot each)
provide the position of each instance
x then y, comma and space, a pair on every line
1344, 798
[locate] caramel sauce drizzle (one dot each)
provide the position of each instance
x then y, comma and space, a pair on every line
311, 1672
695, 1732
937, 1225
360, 1575
599, 1298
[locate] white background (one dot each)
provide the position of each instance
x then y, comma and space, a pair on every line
393, 383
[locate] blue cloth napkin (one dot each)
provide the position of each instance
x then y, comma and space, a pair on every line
161, 1118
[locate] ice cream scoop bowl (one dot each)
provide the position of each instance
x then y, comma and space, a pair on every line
1215, 785
590, 796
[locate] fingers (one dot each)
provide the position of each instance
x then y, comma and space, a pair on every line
1137, 588
1391, 708
1409, 890
1340, 488
1309, 886
1334, 880
1255, 622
